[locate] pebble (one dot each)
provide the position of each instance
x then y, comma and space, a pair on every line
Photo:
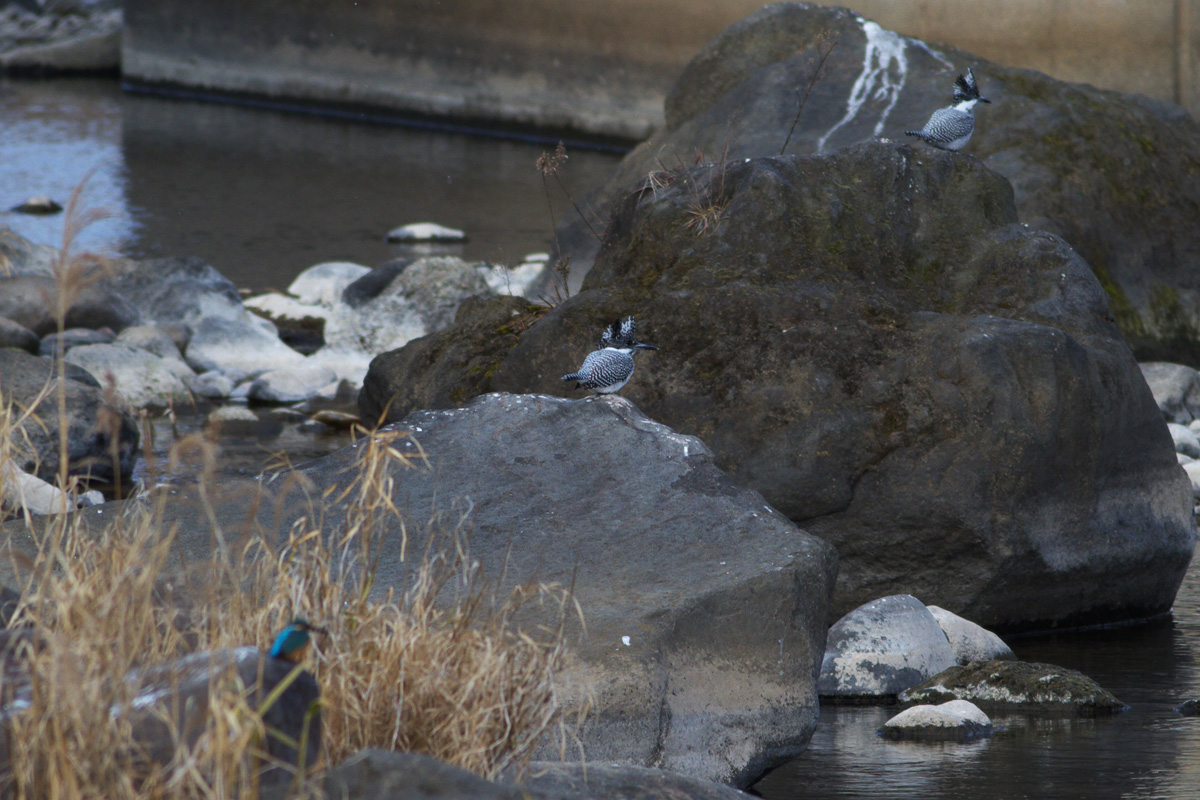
425, 232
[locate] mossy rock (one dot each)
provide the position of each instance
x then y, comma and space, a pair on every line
1016, 686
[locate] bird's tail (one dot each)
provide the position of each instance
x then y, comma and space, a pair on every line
914, 133
574, 376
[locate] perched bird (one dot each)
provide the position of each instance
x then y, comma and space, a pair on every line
606, 370
951, 127
293, 640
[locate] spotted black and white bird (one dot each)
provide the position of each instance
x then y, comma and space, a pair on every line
951, 127
606, 370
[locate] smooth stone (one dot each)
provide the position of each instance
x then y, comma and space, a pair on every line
238, 349
13, 334
293, 384
1182, 459
1189, 708
71, 338
38, 205
234, 420
425, 232
213, 384
20, 490
436, 287
30, 300
970, 642
337, 420
182, 290
323, 284
140, 378
152, 339
372, 283
1176, 389
952, 720
1185, 439
882, 648
279, 306
1016, 685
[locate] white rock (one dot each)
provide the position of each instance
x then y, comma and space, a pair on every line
385, 323
882, 648
970, 642
140, 378
323, 284
280, 306
293, 384
515, 281
1185, 439
227, 414
1182, 459
425, 232
22, 490
239, 350
959, 717
151, 339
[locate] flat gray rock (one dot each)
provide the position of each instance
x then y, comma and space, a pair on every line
238, 348
882, 648
292, 384
16, 335
1185, 440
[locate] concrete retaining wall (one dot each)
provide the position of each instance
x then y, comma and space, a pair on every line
601, 68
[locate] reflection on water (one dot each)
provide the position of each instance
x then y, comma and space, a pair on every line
260, 194
1148, 752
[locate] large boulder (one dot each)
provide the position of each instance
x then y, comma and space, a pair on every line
139, 378
883, 648
871, 340
32, 300
98, 435
705, 609
179, 290
1017, 686
1115, 175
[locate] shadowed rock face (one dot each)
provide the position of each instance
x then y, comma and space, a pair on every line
705, 609
1117, 176
872, 341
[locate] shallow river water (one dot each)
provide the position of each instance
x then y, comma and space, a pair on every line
262, 195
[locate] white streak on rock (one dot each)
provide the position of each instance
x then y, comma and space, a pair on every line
884, 48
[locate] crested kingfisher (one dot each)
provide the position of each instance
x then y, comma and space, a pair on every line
606, 370
950, 128
293, 640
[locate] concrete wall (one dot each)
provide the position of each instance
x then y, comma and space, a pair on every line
601, 67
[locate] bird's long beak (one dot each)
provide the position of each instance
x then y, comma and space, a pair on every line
984, 100
640, 346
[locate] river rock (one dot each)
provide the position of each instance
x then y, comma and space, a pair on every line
883, 648
293, 384
239, 348
22, 491
1176, 389
213, 384
90, 445
1189, 708
1113, 174
871, 340
1192, 470
970, 642
323, 284
1185, 439
38, 205
19, 256
437, 286
953, 720
183, 290
371, 284
152, 339
30, 300
140, 378
705, 608
1017, 686
57, 343
425, 232
13, 334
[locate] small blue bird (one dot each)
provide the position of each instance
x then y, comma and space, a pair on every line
293, 640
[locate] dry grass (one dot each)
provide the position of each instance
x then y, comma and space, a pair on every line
438, 666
